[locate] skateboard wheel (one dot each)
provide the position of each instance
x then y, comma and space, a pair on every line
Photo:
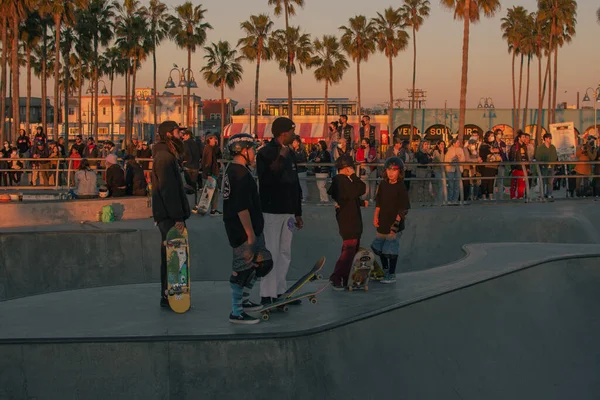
319, 277
285, 309
265, 316
313, 300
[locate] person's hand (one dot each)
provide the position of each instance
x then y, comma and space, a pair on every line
180, 226
252, 239
299, 222
336, 205
376, 222
317, 159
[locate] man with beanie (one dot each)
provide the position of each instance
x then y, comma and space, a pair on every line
170, 205
211, 171
281, 203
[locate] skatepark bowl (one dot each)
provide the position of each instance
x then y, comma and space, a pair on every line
491, 302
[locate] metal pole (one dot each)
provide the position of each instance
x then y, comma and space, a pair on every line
182, 110
595, 112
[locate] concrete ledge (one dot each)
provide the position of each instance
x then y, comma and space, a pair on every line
62, 212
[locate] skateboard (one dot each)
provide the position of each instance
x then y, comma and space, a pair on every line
178, 270
377, 274
283, 304
206, 196
362, 267
312, 275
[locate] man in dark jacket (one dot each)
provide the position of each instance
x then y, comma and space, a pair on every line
281, 203
40, 168
170, 207
79, 145
134, 177
210, 169
191, 160
115, 177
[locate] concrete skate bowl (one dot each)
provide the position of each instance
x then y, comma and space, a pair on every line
531, 334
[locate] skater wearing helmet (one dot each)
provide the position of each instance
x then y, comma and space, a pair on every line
244, 225
346, 190
391, 207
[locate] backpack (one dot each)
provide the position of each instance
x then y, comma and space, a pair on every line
108, 214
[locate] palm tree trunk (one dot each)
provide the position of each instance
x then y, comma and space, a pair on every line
526, 109
358, 86
390, 108
28, 98
57, 24
80, 95
127, 103
96, 89
520, 93
555, 85
3, 134
66, 106
189, 90
414, 82
547, 79
326, 125
112, 114
15, 78
45, 81
514, 91
154, 100
258, 56
465, 71
538, 128
132, 104
289, 64
222, 138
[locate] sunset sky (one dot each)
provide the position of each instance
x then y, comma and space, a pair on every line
438, 47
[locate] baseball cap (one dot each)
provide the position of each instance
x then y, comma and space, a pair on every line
168, 126
281, 125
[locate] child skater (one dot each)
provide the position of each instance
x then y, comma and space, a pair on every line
244, 225
346, 190
391, 207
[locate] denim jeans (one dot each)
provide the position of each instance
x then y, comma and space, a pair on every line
453, 185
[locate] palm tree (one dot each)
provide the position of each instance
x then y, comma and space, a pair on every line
541, 40
4, 62
188, 30
330, 65
358, 41
288, 9
158, 28
113, 64
527, 47
70, 61
222, 69
469, 11
30, 36
513, 32
254, 47
98, 20
391, 39
413, 14
293, 52
62, 12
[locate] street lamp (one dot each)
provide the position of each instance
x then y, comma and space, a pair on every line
487, 103
596, 94
183, 83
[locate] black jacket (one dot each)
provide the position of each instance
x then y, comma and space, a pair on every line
210, 162
279, 186
135, 179
115, 181
191, 156
169, 200
346, 191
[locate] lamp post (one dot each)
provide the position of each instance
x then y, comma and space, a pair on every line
596, 94
92, 90
183, 83
142, 96
487, 103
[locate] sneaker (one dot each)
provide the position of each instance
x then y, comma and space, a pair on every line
164, 302
338, 288
216, 213
390, 278
243, 319
251, 306
267, 301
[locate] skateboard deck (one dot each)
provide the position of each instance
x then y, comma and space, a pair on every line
283, 304
206, 196
362, 267
178, 270
312, 275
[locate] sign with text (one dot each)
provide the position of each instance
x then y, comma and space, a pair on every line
563, 138
403, 131
471, 130
437, 132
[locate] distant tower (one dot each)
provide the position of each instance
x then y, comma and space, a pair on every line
418, 97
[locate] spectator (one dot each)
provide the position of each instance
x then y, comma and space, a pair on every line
439, 156
23, 144
367, 154
583, 171
91, 151
342, 148
301, 158
15, 165
146, 152
518, 153
547, 152
423, 189
191, 159
40, 136
333, 133
210, 170
488, 154
407, 156
115, 178
62, 147
368, 128
322, 172
134, 178
55, 155
455, 154
6, 149
133, 147
40, 168
86, 184
346, 131
472, 186
4, 178
79, 145
394, 150
503, 152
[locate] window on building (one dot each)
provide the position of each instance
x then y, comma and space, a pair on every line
137, 111
309, 109
71, 111
333, 110
103, 110
102, 130
273, 110
217, 115
348, 110
73, 131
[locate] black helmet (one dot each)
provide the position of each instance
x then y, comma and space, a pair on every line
394, 162
344, 161
239, 142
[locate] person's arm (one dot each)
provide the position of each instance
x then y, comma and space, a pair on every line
207, 156
169, 186
246, 221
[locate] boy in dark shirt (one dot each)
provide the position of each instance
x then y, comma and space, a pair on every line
244, 225
392, 205
346, 190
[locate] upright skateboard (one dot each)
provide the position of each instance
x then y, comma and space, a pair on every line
362, 265
178, 270
285, 301
206, 197
312, 275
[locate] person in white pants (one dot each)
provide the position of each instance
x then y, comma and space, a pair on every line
281, 203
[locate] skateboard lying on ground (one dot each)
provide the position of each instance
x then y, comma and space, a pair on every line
206, 196
312, 275
283, 303
178, 270
362, 267
377, 273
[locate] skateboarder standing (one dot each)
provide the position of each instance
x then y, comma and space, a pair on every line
281, 203
210, 170
346, 190
392, 205
170, 205
244, 225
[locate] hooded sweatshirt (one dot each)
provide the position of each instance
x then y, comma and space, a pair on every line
169, 200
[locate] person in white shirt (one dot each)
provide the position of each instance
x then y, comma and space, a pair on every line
455, 154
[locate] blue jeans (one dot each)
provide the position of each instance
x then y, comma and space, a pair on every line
548, 181
453, 185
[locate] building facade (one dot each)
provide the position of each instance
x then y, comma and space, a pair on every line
276, 107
